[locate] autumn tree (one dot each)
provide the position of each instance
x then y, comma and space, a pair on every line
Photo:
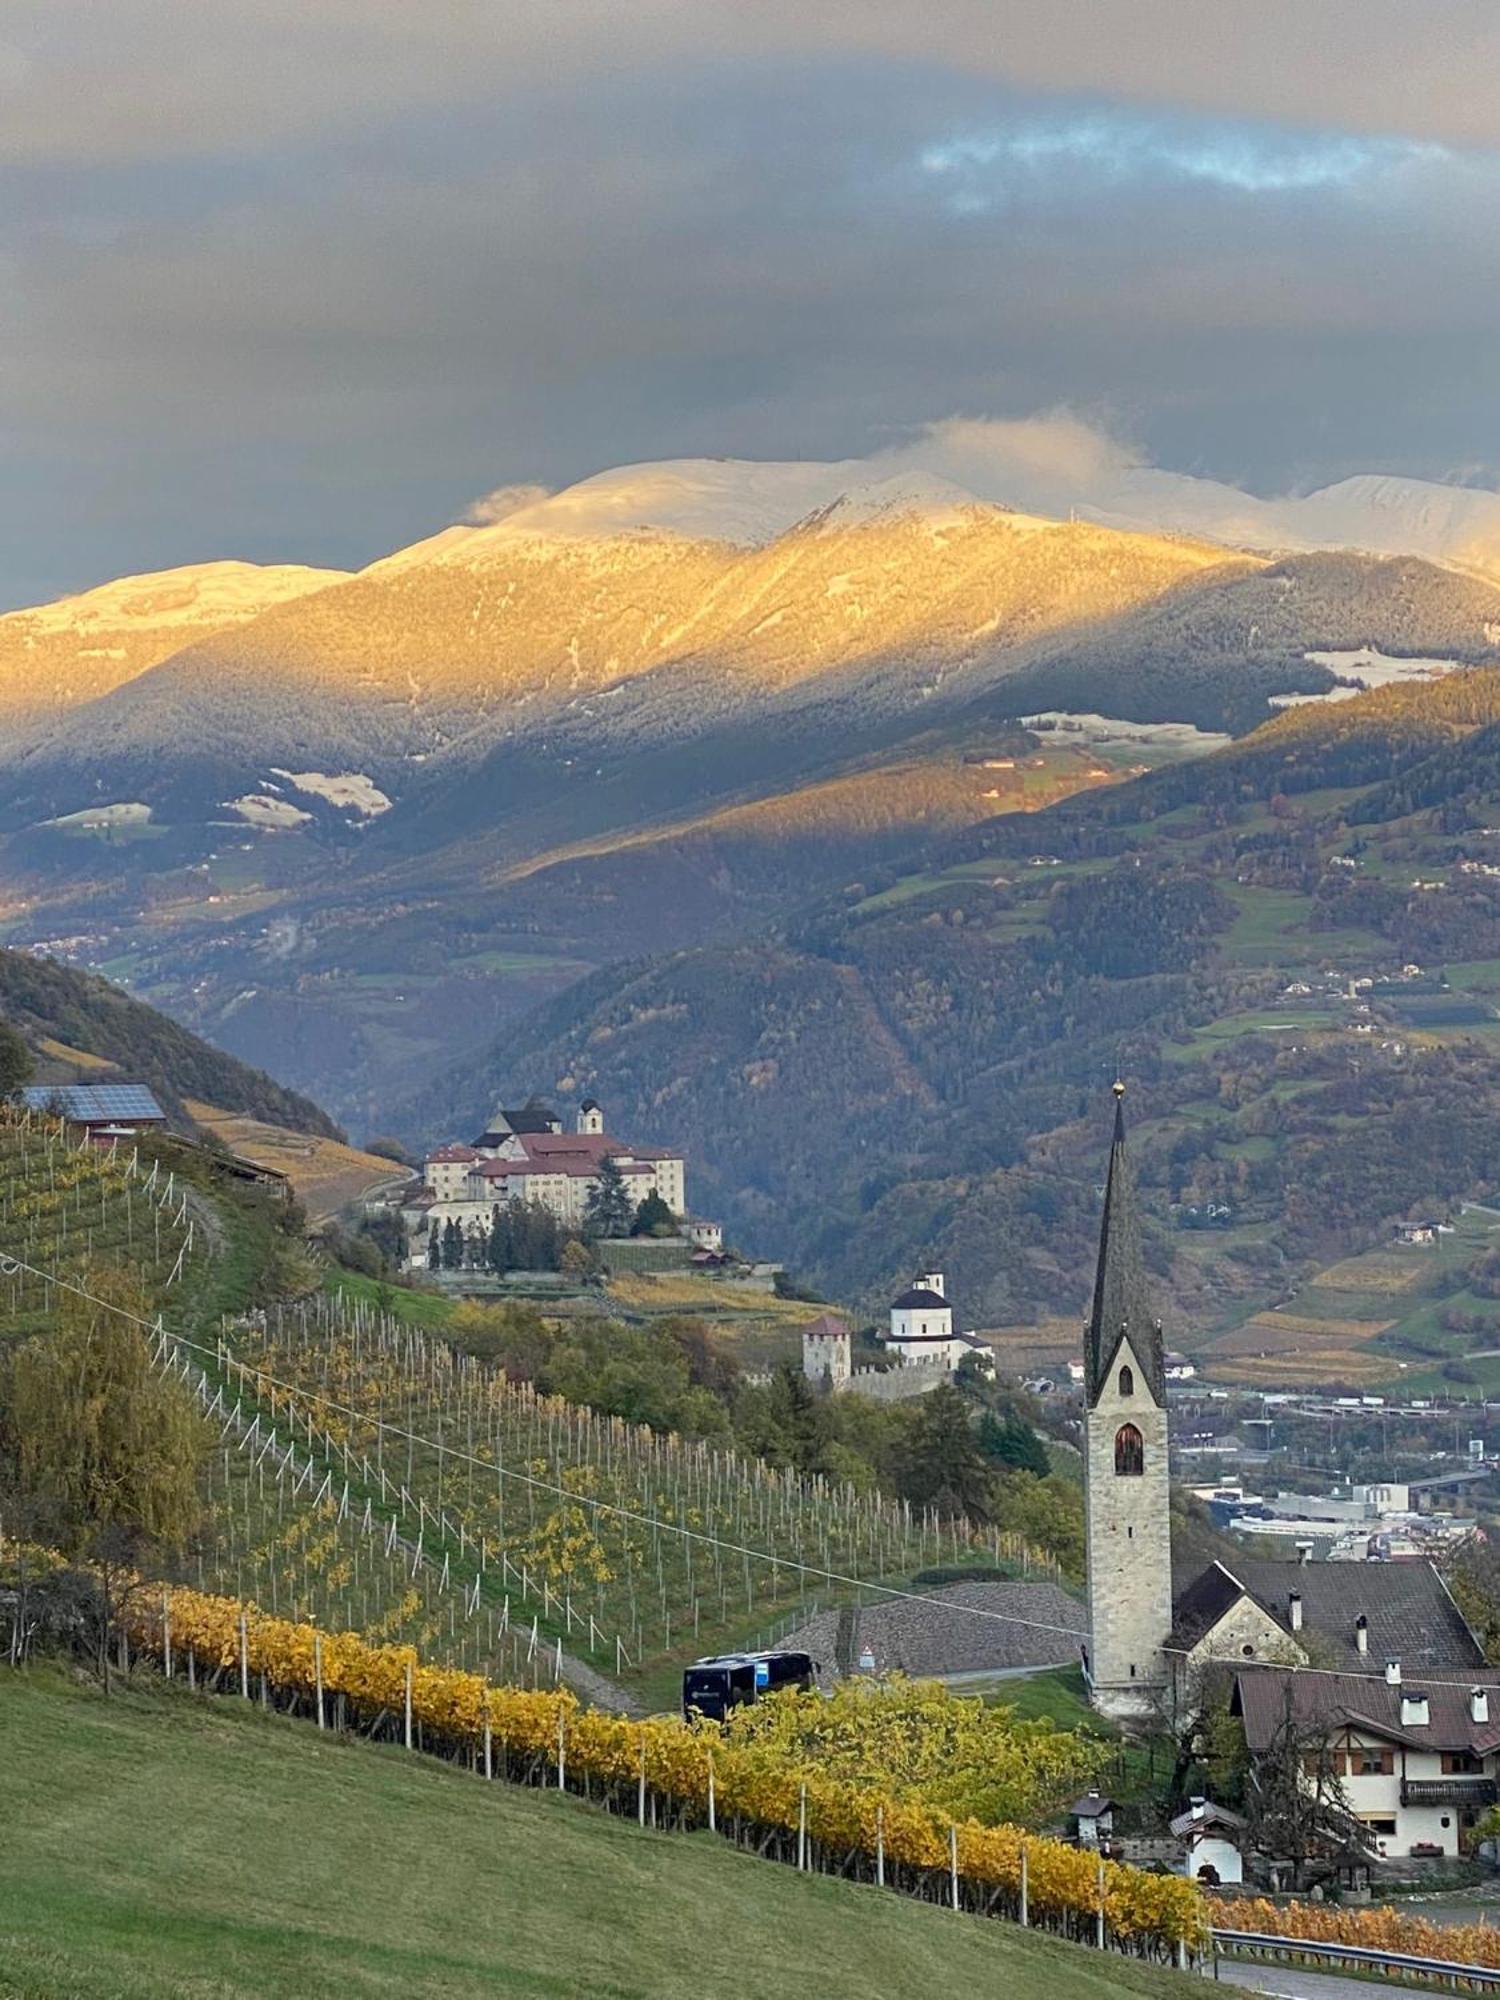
101, 1442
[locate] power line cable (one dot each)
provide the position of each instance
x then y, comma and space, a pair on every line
10, 1265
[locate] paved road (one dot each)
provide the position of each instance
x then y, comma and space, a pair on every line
1292, 1983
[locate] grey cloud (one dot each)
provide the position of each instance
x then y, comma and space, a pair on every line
162, 78
324, 354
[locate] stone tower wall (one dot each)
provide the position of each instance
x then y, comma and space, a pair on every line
1128, 1526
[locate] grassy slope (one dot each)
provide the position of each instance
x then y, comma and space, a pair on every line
162, 1846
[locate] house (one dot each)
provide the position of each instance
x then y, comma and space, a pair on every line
1417, 1232
104, 1111
1418, 1761
1361, 1613
1211, 1837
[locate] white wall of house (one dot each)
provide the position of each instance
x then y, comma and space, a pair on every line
1375, 1796
1212, 1850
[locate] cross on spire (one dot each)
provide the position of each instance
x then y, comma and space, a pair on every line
1121, 1297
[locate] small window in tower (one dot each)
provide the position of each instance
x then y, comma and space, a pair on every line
1130, 1452
1127, 1381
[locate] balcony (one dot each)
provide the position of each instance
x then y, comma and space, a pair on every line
1454, 1791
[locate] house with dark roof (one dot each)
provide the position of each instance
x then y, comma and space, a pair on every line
1350, 1616
1417, 1758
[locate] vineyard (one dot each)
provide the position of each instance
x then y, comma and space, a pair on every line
367, 1477
512, 1517
65, 1204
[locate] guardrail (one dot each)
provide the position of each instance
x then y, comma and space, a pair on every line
1359, 1958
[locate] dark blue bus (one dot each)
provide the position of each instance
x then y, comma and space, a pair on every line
715, 1685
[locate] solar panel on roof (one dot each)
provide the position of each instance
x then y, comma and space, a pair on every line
95, 1103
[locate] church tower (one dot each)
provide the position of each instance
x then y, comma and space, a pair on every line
1125, 1463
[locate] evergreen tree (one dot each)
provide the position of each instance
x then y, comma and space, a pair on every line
434, 1248
500, 1244
941, 1463
453, 1245
1010, 1440
654, 1218
801, 1418
15, 1061
608, 1211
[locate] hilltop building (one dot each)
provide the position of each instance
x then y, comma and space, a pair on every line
921, 1329
1150, 1643
526, 1156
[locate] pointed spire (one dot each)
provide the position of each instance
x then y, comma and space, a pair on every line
1122, 1300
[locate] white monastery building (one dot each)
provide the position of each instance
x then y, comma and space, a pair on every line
526, 1156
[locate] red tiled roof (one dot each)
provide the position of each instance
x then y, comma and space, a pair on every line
453, 1153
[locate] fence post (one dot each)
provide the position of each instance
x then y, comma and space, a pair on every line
1025, 1887
244, 1660
953, 1861
802, 1826
713, 1821
562, 1749
408, 1704
489, 1739
318, 1674
166, 1636
1099, 1912
880, 1846
640, 1792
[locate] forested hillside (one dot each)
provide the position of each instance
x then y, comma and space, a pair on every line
70, 1017
1277, 944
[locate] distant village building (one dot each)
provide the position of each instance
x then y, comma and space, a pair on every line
526, 1156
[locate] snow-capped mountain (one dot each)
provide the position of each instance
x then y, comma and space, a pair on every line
673, 603
57, 655
750, 502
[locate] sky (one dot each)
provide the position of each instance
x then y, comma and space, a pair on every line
299, 280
